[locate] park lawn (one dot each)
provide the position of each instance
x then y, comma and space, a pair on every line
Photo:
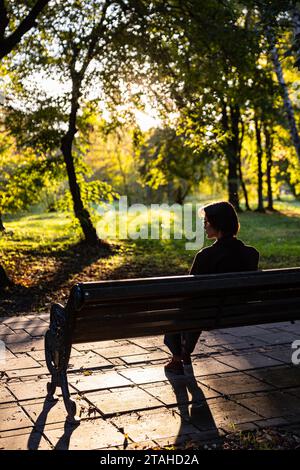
43, 254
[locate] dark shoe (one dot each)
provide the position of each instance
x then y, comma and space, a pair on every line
174, 367
186, 359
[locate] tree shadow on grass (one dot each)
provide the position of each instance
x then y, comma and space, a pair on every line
70, 266
70, 261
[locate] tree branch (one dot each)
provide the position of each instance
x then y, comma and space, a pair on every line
94, 37
3, 19
9, 43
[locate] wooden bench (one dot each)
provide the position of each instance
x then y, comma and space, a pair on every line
109, 310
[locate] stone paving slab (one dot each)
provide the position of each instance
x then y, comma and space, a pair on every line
248, 342
271, 404
22, 373
27, 363
122, 400
149, 341
181, 392
5, 330
231, 384
145, 375
99, 345
36, 331
241, 331
282, 353
217, 339
279, 377
17, 337
93, 434
13, 417
27, 346
30, 440
227, 414
43, 413
98, 381
18, 324
267, 423
88, 361
8, 355
19, 319
40, 355
210, 436
5, 395
151, 356
27, 390
119, 351
153, 425
210, 366
204, 350
278, 337
247, 360
293, 328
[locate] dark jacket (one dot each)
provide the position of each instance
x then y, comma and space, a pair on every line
228, 254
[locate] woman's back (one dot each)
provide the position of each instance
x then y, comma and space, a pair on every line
228, 254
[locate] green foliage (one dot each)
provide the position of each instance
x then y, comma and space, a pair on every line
24, 183
93, 194
165, 159
198, 62
40, 128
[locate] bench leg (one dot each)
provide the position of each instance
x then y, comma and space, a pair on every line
69, 404
51, 387
57, 352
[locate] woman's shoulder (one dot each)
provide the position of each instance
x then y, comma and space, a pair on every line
249, 248
206, 251
250, 256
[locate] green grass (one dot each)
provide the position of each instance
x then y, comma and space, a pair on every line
43, 254
276, 236
38, 232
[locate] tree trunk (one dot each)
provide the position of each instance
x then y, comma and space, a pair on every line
123, 175
181, 193
81, 213
285, 94
269, 147
231, 150
2, 228
233, 182
4, 279
260, 207
296, 41
245, 192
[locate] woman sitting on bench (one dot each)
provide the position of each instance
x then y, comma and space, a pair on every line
226, 254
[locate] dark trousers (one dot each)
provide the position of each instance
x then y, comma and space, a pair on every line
179, 342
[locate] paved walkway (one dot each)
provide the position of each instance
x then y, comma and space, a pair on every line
242, 379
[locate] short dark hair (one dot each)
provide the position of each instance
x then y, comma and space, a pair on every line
223, 217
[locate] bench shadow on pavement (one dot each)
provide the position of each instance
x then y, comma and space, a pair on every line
193, 410
38, 429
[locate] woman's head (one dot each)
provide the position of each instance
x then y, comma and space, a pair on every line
220, 219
